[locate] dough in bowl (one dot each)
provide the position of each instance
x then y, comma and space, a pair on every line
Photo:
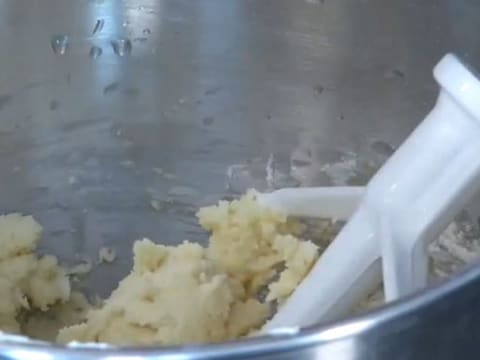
193, 294
27, 281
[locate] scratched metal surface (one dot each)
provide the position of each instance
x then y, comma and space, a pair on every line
120, 118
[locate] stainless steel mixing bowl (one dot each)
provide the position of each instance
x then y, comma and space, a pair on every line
120, 118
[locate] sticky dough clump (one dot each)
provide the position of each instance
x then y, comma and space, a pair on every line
193, 294
27, 281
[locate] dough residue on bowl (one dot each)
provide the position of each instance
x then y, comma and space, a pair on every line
106, 255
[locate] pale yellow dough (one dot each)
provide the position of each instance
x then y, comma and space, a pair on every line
174, 295
191, 294
27, 282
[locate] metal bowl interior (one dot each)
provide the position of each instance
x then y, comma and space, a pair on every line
121, 118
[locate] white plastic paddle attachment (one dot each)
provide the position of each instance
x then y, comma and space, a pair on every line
408, 202
320, 202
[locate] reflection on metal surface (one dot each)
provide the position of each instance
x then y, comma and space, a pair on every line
99, 24
122, 47
95, 52
346, 330
60, 44
29, 354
